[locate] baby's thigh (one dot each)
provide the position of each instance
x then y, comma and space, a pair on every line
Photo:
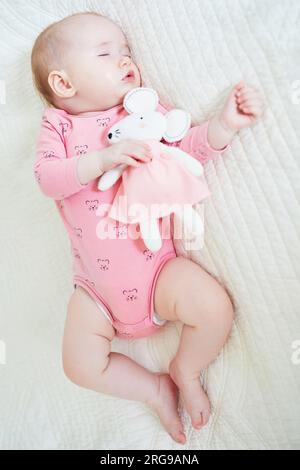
87, 337
185, 290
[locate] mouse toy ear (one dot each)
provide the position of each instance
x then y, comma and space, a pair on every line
141, 99
178, 123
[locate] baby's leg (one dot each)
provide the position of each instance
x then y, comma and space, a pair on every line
89, 362
186, 292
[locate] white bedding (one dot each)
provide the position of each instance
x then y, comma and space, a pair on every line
192, 52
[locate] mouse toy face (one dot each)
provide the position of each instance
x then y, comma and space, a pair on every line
141, 126
145, 123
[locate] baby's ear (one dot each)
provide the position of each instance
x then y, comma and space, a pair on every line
60, 84
141, 99
178, 123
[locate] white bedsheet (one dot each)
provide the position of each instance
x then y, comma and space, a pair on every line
192, 52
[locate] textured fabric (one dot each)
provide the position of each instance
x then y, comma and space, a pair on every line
110, 259
191, 52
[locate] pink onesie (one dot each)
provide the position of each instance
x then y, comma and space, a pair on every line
117, 271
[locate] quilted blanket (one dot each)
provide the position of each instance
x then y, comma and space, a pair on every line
192, 52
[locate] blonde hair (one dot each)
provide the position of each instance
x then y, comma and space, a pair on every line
47, 54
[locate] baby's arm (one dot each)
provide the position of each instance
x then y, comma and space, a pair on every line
58, 176
219, 135
196, 142
243, 107
202, 142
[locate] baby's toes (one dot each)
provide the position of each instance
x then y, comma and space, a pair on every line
174, 427
200, 414
197, 421
178, 436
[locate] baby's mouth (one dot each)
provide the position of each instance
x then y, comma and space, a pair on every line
129, 76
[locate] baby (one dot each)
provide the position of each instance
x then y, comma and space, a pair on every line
82, 68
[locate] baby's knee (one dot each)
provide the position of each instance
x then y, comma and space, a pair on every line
224, 311
230, 303
85, 371
219, 309
71, 365
86, 342
223, 303
71, 372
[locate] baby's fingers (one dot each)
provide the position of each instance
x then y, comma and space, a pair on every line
245, 95
253, 108
130, 161
140, 151
251, 102
143, 155
139, 144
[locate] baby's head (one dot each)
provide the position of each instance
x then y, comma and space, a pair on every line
74, 71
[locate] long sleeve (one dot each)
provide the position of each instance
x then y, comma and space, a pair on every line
55, 173
196, 144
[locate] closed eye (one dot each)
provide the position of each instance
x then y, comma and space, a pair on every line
103, 55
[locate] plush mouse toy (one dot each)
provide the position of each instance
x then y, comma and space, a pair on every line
167, 184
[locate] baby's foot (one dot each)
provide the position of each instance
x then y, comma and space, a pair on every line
194, 398
165, 404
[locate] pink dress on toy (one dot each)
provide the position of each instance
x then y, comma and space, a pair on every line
155, 188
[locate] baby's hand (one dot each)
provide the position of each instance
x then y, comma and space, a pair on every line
129, 151
244, 106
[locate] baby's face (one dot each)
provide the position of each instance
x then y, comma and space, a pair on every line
96, 70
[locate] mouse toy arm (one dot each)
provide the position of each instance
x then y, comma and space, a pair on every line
108, 179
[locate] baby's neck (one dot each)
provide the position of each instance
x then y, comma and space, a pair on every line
93, 113
75, 111
88, 113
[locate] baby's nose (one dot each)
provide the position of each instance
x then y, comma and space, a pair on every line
126, 59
